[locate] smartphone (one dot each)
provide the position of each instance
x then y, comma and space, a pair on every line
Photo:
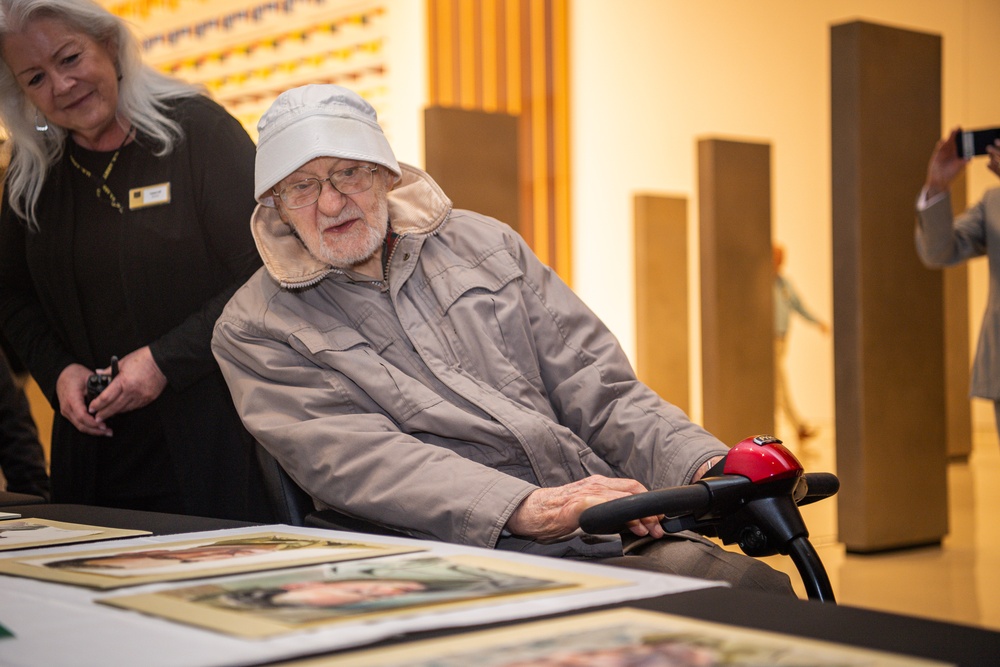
974, 142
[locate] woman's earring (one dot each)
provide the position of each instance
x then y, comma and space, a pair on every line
41, 125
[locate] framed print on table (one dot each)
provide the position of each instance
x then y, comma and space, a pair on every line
190, 559
618, 638
30, 533
275, 603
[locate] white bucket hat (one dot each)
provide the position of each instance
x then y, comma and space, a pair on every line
316, 121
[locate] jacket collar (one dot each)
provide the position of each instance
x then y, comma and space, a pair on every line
417, 205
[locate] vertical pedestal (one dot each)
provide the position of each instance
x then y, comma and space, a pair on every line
888, 308
473, 156
661, 297
737, 310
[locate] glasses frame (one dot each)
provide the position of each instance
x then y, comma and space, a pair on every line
329, 179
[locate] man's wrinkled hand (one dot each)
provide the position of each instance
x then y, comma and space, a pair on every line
552, 513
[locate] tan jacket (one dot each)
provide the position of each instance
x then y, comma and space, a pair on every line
435, 403
943, 241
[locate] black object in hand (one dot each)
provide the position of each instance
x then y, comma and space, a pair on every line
97, 383
974, 142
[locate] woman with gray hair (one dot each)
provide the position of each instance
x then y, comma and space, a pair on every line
123, 232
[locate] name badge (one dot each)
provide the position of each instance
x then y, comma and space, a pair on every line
151, 195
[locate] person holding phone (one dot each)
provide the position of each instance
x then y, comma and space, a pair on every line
943, 240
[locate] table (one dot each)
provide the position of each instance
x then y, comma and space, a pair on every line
109, 517
962, 645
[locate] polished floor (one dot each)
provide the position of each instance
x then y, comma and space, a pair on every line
958, 582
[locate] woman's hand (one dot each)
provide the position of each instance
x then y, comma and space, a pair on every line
138, 383
71, 388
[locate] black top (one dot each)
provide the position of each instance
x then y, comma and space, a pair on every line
94, 281
138, 464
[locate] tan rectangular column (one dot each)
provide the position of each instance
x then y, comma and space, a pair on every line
473, 156
888, 308
661, 296
737, 309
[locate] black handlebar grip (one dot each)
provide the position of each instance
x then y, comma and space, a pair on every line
820, 485
611, 517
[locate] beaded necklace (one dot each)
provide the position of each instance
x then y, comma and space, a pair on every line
102, 185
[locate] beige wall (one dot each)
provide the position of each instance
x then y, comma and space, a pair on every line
650, 77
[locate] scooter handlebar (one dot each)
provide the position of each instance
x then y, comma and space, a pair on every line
611, 517
713, 494
819, 485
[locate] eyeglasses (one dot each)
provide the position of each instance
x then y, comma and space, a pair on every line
348, 181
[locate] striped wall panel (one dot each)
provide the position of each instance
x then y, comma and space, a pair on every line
510, 56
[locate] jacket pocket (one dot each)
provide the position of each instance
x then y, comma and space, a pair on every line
364, 372
488, 328
489, 273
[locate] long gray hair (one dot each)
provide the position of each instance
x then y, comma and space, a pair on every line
142, 95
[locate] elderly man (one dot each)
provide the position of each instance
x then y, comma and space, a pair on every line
418, 367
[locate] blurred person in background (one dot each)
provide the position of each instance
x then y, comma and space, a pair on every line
943, 240
786, 303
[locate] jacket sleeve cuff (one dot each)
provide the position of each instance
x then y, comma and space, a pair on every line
495, 505
924, 202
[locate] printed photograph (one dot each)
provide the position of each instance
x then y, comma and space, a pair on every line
28, 533
619, 638
279, 602
130, 566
